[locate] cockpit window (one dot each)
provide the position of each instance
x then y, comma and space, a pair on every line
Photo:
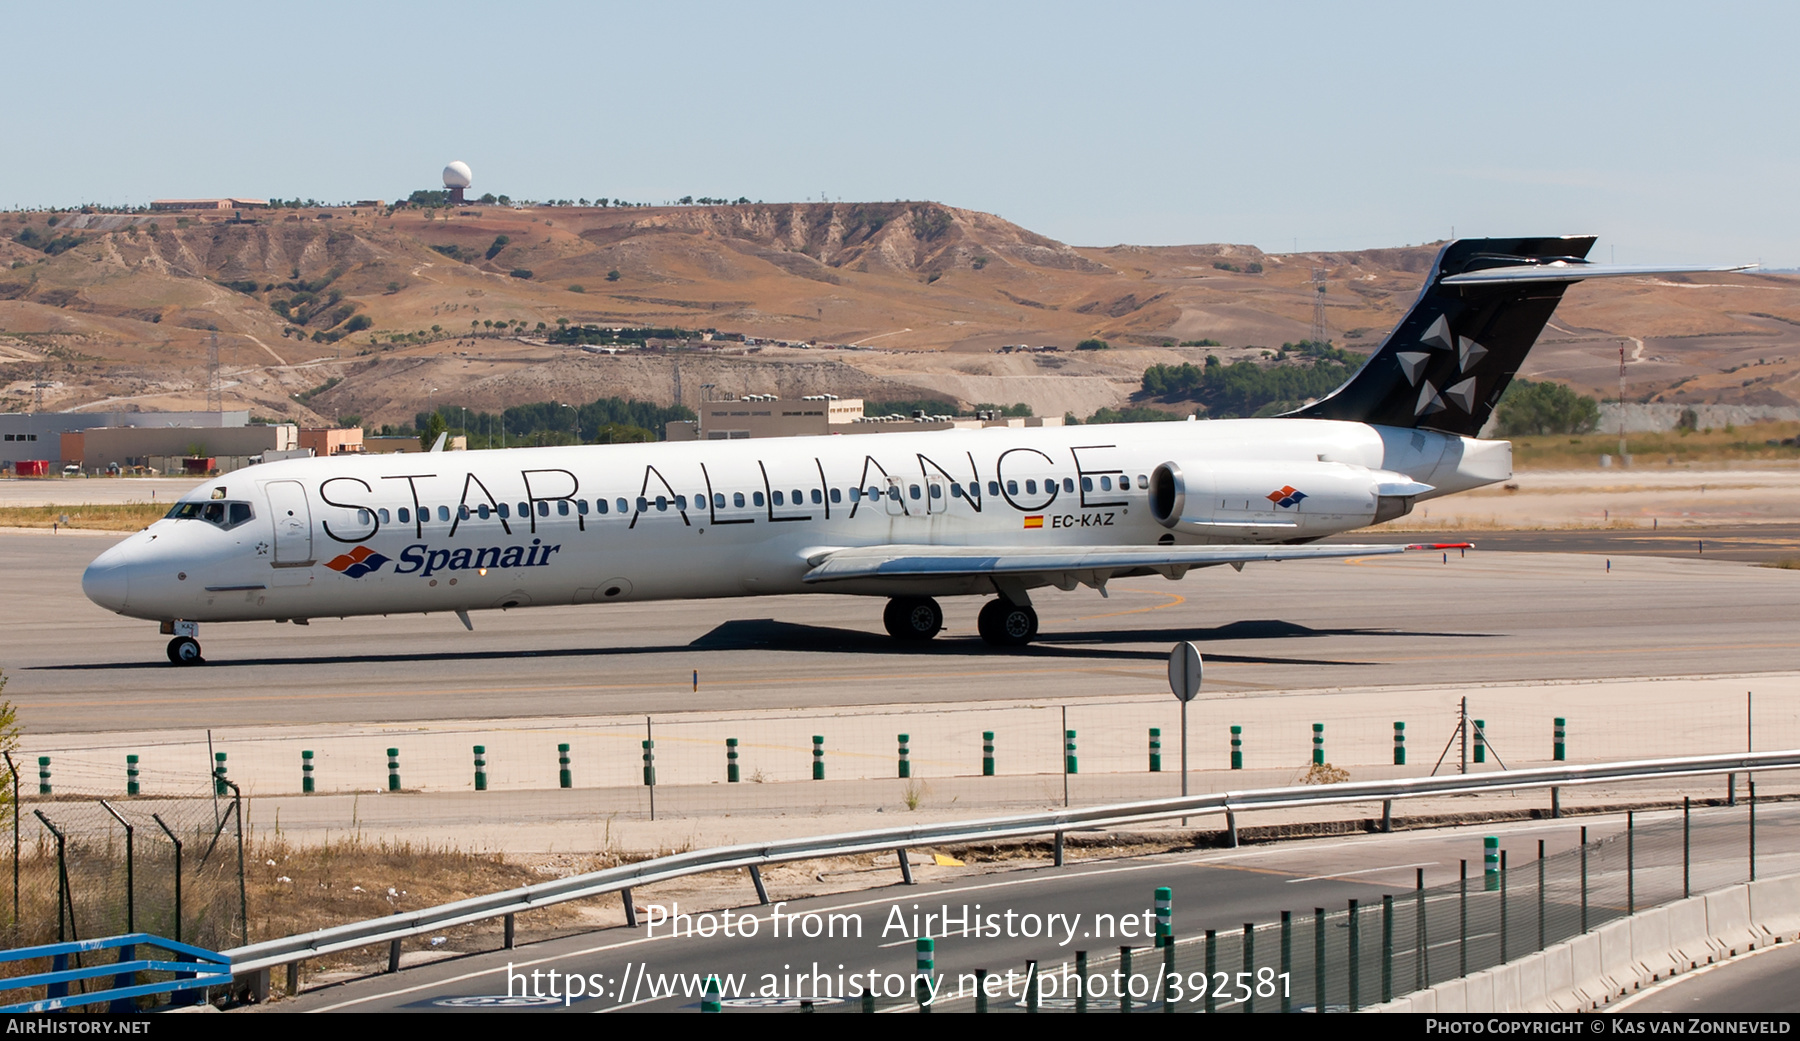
226, 515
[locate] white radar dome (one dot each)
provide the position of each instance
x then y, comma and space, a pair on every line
457, 175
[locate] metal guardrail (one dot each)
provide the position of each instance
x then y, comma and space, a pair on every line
288, 950
194, 968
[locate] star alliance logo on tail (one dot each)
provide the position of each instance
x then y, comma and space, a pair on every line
358, 562
1286, 497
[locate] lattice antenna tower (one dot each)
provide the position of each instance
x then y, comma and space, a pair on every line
215, 389
1318, 321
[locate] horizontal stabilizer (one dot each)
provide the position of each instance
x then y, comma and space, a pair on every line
1103, 561
1573, 271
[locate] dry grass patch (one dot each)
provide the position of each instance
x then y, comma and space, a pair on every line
130, 516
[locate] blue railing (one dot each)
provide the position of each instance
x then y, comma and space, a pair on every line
194, 968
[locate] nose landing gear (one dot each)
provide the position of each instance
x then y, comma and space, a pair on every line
184, 649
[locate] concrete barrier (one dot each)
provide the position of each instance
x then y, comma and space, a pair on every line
1651, 943
1774, 905
1730, 917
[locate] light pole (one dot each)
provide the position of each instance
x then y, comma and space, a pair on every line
577, 412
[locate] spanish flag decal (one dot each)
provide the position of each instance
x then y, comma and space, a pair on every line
1035, 522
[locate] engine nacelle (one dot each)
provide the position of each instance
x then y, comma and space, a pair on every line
1276, 501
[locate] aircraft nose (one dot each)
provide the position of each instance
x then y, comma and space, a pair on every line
107, 581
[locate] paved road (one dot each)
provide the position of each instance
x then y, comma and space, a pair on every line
1219, 890
1759, 982
1489, 617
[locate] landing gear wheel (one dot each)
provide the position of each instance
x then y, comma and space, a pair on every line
913, 617
184, 650
1006, 624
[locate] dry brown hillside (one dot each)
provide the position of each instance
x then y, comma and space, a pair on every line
408, 307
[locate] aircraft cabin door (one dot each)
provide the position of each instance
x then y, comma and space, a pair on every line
896, 497
293, 523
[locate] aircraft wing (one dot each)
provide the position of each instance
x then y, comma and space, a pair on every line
1077, 563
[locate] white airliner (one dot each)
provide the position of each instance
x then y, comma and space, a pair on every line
910, 517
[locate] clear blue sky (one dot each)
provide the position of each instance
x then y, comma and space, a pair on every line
1668, 129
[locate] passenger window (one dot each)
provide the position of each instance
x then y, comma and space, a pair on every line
543, 508
624, 507
643, 504
737, 498
1068, 484
581, 506
681, 502
599, 505
817, 497
856, 495
405, 515
363, 517
444, 514
837, 495
504, 511
562, 507
482, 511
662, 504
1106, 484
779, 500
383, 514
524, 510
874, 491
798, 498
718, 500
1087, 484
462, 512
993, 487
914, 491
1031, 487
1012, 487
1143, 483
937, 491
955, 490
757, 498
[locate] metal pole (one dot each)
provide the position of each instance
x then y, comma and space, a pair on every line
1212, 968
1462, 930
170, 832
1081, 987
237, 808
1355, 950
1751, 781
14, 770
1503, 907
62, 876
1631, 862
1319, 959
1462, 734
1540, 894
1687, 811
1387, 947
1125, 979
1287, 958
1584, 879
1421, 939
130, 869
649, 765
1249, 963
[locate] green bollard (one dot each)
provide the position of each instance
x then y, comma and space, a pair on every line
1165, 916
923, 949
1481, 740
818, 757
481, 768
712, 1002
43, 775
306, 771
1069, 764
649, 763
1399, 743
565, 778
1237, 747
987, 753
1562, 734
1156, 750
905, 763
393, 769
731, 763
1318, 744
1490, 863
219, 773
131, 775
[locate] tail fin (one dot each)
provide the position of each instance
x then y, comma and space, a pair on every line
1448, 361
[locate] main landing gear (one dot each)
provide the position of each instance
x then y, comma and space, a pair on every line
184, 649
1002, 623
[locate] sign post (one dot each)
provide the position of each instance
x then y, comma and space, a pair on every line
1184, 680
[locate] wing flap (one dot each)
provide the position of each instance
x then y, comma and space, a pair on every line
953, 561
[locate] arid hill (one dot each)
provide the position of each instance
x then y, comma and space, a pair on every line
406, 307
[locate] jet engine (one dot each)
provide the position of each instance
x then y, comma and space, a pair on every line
1277, 501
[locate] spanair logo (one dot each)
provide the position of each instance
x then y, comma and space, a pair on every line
358, 562
1286, 497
